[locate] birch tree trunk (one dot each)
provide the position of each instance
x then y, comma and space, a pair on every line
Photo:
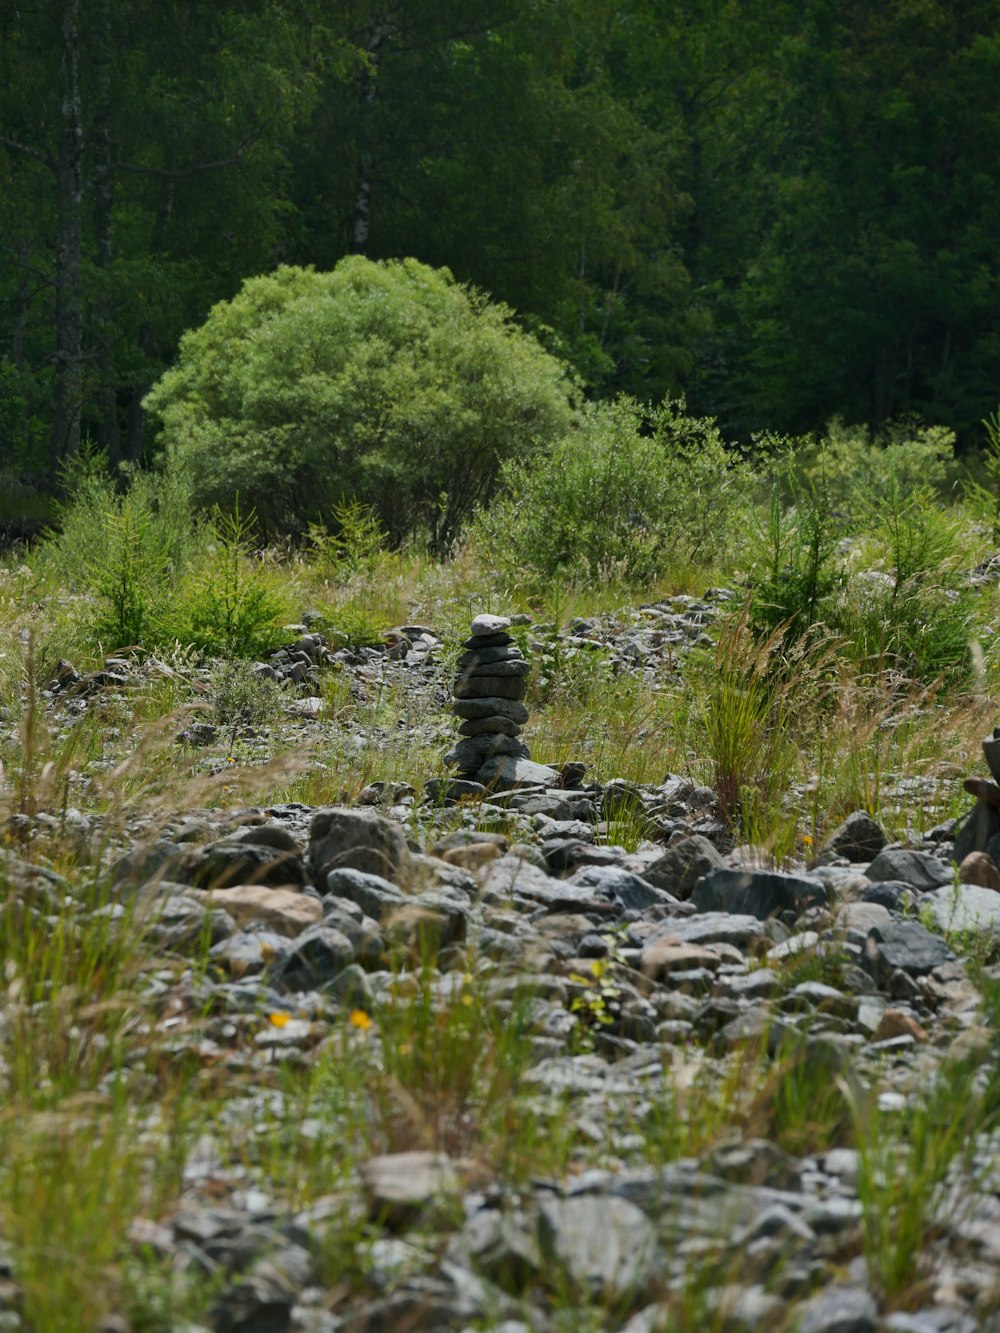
69, 283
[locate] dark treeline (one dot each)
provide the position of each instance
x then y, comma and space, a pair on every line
785, 209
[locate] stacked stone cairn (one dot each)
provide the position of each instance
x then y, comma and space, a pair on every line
489, 689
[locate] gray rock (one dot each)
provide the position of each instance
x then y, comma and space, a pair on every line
906, 945
495, 725
737, 1309
316, 958
714, 928
489, 707
400, 1186
504, 1246
891, 894
366, 939
352, 988
604, 1245
932, 1321
266, 835
684, 862
964, 907
919, 869
759, 893
505, 773
230, 862
448, 791
489, 687
376, 896
839, 1309
485, 626
631, 892
980, 826
248, 952
484, 656
429, 922
858, 838
472, 752
181, 922
342, 838
509, 666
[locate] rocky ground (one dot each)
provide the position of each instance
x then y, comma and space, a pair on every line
725, 1048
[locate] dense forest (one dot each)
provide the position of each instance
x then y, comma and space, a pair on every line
783, 210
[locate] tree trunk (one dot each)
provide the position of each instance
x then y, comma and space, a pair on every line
69, 284
108, 429
361, 216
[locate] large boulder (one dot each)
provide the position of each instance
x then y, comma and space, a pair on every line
759, 893
341, 838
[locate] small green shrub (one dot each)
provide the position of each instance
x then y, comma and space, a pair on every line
617, 499
910, 613
796, 567
241, 698
744, 696
983, 497
356, 546
849, 466
124, 546
233, 606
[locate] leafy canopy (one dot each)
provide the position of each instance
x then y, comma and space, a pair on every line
387, 384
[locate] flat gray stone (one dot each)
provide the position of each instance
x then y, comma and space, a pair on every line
377, 897
604, 1245
494, 725
906, 945
488, 707
839, 1310
632, 892
918, 869
506, 773
481, 656
486, 687
469, 754
510, 666
759, 893
964, 907
487, 625
714, 928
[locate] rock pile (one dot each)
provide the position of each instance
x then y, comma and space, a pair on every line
489, 691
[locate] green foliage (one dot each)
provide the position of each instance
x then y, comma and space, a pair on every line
357, 545
984, 497
242, 699
930, 1148
353, 626
386, 384
796, 569
744, 699
234, 606
914, 616
849, 468
621, 497
152, 578
124, 546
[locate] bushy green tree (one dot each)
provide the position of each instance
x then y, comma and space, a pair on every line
384, 383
